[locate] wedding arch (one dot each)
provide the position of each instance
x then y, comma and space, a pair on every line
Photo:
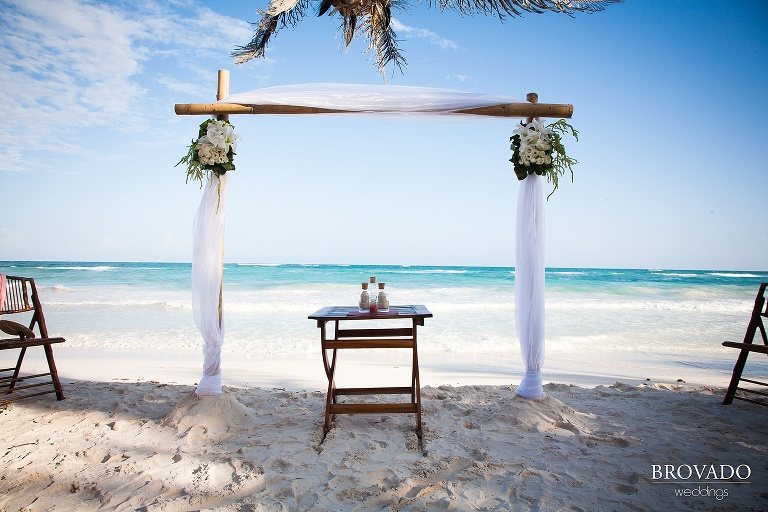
349, 99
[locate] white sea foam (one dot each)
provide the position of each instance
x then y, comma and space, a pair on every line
465, 321
98, 268
628, 305
59, 288
733, 274
431, 271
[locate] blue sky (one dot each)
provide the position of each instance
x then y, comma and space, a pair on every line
669, 99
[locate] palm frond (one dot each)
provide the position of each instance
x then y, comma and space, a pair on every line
381, 37
279, 14
324, 6
518, 7
375, 16
348, 27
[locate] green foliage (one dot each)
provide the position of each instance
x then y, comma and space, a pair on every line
195, 169
560, 160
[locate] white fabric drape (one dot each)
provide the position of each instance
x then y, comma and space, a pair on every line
207, 273
529, 284
389, 99
378, 99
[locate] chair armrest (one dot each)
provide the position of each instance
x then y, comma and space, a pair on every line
751, 347
34, 342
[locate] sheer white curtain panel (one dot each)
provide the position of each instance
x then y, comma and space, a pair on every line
529, 284
207, 274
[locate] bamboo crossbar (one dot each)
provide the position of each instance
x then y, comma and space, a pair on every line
547, 110
523, 110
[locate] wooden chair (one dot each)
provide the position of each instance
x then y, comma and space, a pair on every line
21, 297
756, 324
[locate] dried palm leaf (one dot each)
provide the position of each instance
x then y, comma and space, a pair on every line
375, 16
381, 38
279, 14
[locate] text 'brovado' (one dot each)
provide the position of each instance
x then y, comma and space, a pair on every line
703, 472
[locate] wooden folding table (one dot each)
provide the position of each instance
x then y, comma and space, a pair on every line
383, 338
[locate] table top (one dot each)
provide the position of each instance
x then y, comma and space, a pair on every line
353, 313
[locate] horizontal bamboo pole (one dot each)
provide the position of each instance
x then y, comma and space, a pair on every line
191, 109
523, 110
504, 110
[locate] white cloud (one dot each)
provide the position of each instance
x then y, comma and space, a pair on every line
69, 64
458, 78
174, 85
423, 33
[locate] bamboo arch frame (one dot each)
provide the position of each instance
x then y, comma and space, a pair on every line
531, 109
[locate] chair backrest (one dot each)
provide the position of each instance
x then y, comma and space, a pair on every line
759, 312
20, 297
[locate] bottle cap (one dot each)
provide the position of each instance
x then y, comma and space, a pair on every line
372, 279
381, 286
365, 286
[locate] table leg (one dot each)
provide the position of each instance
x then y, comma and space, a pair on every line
416, 384
323, 350
331, 396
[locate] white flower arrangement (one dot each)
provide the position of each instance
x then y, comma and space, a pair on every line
212, 152
538, 148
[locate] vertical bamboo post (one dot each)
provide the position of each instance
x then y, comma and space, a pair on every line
531, 97
221, 93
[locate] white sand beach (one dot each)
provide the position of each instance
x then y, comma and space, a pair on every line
132, 435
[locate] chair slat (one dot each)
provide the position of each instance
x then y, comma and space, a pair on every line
16, 296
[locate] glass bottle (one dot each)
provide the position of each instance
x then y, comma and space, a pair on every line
382, 299
365, 299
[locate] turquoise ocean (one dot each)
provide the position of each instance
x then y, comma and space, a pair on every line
683, 314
